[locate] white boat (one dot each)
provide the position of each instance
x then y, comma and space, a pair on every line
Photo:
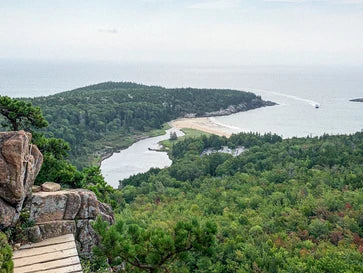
317, 106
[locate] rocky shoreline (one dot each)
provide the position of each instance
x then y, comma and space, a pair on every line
233, 109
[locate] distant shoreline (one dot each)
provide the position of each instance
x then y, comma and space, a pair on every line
205, 124
108, 154
208, 124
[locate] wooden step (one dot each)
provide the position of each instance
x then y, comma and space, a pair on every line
51, 241
55, 255
29, 252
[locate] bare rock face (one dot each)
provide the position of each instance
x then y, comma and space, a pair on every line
106, 213
51, 229
36, 188
48, 206
68, 211
20, 163
85, 236
8, 214
55, 212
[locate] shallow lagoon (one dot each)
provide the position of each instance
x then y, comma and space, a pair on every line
136, 159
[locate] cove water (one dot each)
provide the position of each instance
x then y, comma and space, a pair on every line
138, 158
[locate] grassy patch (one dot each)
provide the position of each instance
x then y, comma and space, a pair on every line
158, 132
168, 144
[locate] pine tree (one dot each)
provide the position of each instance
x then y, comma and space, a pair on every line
20, 115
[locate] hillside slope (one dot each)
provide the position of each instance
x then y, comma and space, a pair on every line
292, 205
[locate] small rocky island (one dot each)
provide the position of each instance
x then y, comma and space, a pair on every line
357, 100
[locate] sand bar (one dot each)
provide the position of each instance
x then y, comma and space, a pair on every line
203, 124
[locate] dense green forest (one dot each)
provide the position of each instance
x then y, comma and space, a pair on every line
99, 118
293, 205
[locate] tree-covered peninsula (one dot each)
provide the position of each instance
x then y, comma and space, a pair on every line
98, 119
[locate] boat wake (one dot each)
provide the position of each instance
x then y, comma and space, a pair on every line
310, 102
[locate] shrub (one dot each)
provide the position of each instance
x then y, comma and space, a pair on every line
318, 228
6, 263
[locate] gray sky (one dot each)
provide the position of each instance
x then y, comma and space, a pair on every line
226, 32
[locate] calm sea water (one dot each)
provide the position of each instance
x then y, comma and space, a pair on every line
296, 89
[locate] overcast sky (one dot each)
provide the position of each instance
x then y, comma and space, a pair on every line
228, 32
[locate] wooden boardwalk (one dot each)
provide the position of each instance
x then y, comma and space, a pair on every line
55, 255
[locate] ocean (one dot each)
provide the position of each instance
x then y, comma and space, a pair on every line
296, 89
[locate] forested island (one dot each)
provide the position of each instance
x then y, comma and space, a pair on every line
97, 119
357, 100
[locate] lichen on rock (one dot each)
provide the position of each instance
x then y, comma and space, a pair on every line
67, 211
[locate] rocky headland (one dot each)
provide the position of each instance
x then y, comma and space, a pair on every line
232, 109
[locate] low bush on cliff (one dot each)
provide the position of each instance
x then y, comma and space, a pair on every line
6, 263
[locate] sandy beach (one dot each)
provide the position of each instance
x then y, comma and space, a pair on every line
203, 124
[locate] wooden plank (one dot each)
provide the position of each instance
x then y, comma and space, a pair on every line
72, 268
27, 252
51, 241
57, 255
39, 267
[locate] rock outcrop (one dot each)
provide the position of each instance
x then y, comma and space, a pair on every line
255, 103
55, 212
20, 162
232, 109
50, 186
67, 211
